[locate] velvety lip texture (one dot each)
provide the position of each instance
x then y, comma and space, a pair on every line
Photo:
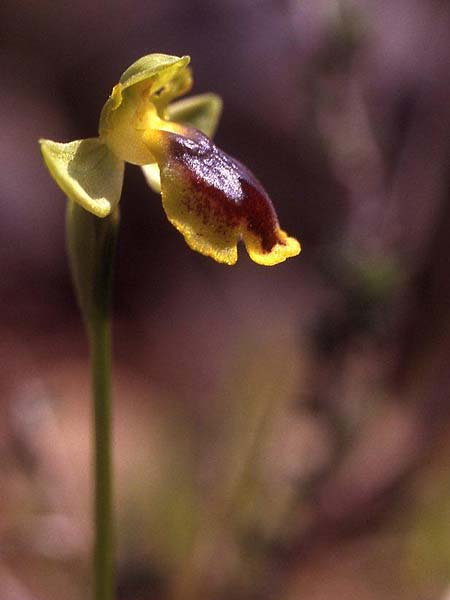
215, 201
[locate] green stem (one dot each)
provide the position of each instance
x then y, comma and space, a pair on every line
100, 341
91, 244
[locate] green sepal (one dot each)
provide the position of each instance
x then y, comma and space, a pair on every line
202, 112
151, 65
90, 245
87, 172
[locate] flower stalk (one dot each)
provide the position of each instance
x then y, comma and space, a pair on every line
103, 568
91, 245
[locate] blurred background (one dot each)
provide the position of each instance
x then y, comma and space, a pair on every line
279, 433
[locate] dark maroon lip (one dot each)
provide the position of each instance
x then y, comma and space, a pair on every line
221, 190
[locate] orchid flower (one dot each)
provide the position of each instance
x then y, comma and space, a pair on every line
211, 198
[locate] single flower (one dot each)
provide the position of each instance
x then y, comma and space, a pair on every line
210, 197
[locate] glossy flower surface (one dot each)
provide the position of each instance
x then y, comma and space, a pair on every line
210, 197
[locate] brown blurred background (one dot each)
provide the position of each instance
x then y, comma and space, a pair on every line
279, 433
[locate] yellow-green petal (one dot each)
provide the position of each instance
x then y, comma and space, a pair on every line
202, 112
87, 172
